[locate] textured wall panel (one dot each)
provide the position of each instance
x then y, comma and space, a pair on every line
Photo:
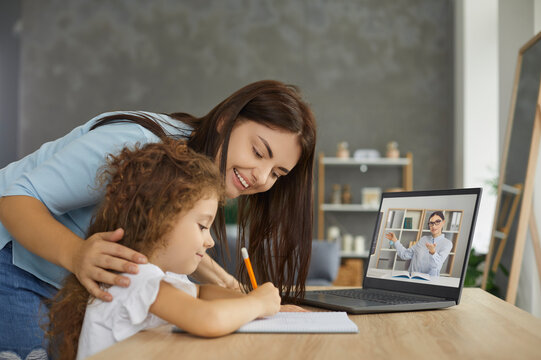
374, 71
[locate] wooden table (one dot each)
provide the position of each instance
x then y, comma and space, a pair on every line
481, 327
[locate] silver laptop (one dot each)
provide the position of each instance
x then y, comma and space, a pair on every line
418, 256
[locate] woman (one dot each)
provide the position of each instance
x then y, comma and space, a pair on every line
268, 135
430, 252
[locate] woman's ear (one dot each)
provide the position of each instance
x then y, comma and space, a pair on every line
220, 125
223, 122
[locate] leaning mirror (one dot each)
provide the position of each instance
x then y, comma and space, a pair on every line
516, 180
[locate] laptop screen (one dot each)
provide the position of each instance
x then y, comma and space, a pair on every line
422, 240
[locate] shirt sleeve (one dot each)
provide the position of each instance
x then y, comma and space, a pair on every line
136, 301
405, 254
439, 257
67, 180
182, 283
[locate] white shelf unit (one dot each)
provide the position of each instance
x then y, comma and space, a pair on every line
353, 255
408, 235
405, 163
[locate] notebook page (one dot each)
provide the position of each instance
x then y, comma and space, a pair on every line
302, 322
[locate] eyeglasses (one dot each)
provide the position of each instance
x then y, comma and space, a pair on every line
434, 223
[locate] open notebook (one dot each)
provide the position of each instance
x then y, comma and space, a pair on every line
299, 322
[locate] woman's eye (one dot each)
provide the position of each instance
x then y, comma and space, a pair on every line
275, 175
202, 227
257, 153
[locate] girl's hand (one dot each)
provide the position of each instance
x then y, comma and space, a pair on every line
269, 297
98, 254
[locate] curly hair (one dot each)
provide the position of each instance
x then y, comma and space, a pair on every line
147, 188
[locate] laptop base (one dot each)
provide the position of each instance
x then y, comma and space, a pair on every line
356, 306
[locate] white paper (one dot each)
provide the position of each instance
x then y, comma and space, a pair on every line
302, 322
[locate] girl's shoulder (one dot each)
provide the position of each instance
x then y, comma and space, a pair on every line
146, 271
147, 282
181, 282
143, 288
150, 272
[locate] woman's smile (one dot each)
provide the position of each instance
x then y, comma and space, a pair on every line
241, 179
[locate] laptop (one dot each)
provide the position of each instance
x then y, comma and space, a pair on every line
412, 275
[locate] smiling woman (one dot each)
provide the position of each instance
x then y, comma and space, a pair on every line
269, 121
262, 138
257, 157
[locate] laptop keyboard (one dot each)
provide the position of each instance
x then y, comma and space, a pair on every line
370, 295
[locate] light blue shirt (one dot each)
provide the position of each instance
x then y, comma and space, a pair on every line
62, 175
421, 259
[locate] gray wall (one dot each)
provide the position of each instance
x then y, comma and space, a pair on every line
373, 70
10, 12
514, 33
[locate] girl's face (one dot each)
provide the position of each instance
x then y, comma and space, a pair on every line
435, 224
257, 157
188, 240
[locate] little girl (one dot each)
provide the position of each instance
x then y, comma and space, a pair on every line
164, 197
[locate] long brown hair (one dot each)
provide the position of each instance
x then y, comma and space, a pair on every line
277, 222
147, 189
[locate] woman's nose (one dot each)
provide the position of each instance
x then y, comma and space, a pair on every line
260, 176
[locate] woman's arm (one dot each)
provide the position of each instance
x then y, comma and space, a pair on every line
209, 272
209, 292
214, 316
212, 292
403, 253
438, 258
29, 221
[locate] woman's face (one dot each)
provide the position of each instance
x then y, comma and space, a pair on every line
435, 225
257, 157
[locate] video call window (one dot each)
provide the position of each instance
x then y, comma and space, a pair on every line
425, 244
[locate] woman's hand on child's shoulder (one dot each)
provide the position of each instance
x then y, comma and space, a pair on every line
98, 255
269, 296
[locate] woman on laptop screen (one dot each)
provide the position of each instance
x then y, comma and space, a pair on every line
430, 252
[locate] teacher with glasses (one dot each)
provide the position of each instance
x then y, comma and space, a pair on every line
430, 252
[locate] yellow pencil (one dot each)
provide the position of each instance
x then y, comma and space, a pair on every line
249, 267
